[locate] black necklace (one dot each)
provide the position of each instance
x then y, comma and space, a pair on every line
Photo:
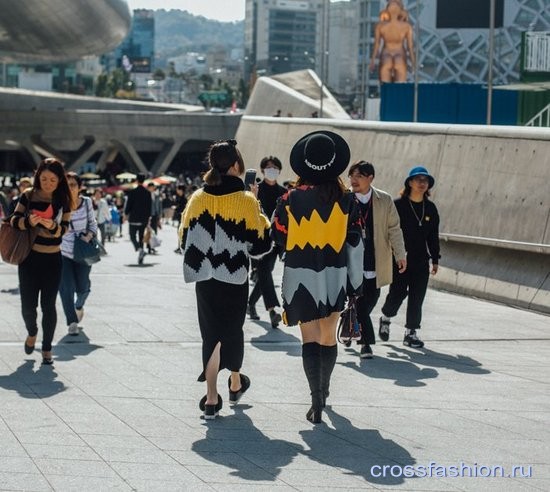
419, 219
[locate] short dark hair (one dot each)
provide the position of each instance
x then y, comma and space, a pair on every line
76, 177
140, 178
363, 167
275, 160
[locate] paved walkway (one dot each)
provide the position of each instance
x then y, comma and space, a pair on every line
119, 408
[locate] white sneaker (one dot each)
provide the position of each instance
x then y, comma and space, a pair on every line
73, 329
79, 314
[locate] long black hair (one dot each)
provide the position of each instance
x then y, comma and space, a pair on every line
61, 195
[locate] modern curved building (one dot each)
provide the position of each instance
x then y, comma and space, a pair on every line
61, 30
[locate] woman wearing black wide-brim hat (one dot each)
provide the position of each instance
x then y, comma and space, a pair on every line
317, 224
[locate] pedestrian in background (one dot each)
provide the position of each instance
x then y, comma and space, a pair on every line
269, 191
40, 273
317, 225
138, 211
383, 241
179, 207
75, 277
221, 227
156, 210
420, 224
102, 213
24, 184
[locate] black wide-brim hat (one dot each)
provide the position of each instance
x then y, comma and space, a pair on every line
320, 156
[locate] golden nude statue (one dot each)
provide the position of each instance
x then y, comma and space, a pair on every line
394, 35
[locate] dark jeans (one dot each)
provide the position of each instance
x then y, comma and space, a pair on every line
365, 305
39, 275
136, 235
414, 283
264, 286
75, 279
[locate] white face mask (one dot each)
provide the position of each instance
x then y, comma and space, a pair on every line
271, 174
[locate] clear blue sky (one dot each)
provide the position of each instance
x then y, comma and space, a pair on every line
222, 10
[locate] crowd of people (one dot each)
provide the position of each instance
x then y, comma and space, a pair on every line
337, 242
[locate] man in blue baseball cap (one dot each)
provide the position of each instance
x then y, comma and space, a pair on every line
419, 220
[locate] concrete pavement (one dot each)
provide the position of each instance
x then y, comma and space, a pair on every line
119, 408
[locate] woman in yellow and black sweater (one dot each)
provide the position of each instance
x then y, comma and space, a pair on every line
221, 227
40, 273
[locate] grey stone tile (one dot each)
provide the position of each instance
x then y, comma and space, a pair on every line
77, 468
145, 471
63, 483
55, 451
23, 481
232, 473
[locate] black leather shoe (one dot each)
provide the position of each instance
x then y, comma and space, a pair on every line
235, 396
275, 318
211, 411
47, 360
29, 349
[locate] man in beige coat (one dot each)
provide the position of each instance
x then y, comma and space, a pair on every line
383, 242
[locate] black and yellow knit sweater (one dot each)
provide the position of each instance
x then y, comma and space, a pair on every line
221, 227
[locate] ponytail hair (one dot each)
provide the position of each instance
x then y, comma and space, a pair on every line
221, 156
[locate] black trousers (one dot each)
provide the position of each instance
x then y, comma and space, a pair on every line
413, 283
264, 286
365, 305
39, 276
136, 235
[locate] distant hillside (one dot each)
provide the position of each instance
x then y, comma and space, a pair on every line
178, 31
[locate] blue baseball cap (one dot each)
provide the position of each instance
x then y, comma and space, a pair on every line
420, 171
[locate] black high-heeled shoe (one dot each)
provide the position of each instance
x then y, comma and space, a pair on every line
314, 414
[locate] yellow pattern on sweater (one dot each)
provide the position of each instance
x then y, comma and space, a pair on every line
316, 232
236, 207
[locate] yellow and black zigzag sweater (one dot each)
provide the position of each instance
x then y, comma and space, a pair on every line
323, 253
221, 227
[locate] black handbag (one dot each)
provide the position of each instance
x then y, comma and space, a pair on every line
349, 327
86, 252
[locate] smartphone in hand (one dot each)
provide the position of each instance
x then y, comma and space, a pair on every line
249, 178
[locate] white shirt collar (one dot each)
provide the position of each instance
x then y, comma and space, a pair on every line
364, 198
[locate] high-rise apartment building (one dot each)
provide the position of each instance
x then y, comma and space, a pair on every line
137, 52
342, 47
285, 35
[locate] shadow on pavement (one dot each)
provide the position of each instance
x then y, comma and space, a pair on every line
277, 340
427, 357
402, 372
362, 452
14, 291
70, 347
259, 457
33, 384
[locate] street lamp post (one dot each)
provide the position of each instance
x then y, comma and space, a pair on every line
490, 67
416, 58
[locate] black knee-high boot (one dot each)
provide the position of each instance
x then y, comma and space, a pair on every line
328, 361
311, 358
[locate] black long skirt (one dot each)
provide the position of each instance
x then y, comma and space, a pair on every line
222, 310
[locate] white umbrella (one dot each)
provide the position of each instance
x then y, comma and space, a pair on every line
126, 175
